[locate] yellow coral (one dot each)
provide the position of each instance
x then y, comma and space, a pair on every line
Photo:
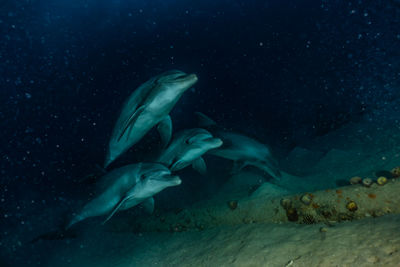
351, 206
382, 180
396, 171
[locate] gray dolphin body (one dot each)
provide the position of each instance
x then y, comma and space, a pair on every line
243, 150
187, 148
146, 107
127, 187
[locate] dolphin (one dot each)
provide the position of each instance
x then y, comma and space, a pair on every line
187, 148
127, 187
146, 107
243, 150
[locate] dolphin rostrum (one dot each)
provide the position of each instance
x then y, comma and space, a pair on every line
243, 150
186, 149
146, 107
127, 187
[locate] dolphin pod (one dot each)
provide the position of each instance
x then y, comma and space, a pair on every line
149, 105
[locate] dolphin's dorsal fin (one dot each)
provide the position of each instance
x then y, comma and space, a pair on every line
165, 130
128, 123
200, 166
148, 205
204, 121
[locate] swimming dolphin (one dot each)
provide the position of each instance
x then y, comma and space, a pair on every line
146, 107
186, 149
243, 150
127, 187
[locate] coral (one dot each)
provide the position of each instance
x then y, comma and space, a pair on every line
315, 205
355, 180
306, 199
308, 219
396, 171
344, 217
382, 180
351, 206
367, 182
286, 203
326, 211
292, 215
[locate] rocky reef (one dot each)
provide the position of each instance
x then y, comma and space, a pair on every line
328, 206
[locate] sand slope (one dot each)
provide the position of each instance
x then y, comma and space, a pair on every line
367, 242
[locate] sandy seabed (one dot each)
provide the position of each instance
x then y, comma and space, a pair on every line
367, 242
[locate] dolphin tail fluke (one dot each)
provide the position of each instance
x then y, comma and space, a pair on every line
277, 176
204, 121
272, 170
274, 167
165, 130
277, 173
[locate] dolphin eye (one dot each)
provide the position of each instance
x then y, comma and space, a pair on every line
189, 141
142, 177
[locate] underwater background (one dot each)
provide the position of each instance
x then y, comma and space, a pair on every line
286, 73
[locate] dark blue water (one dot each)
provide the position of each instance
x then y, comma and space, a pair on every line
283, 72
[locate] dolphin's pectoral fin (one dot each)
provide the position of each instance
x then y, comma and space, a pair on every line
165, 130
116, 208
200, 166
178, 165
269, 167
148, 205
128, 123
